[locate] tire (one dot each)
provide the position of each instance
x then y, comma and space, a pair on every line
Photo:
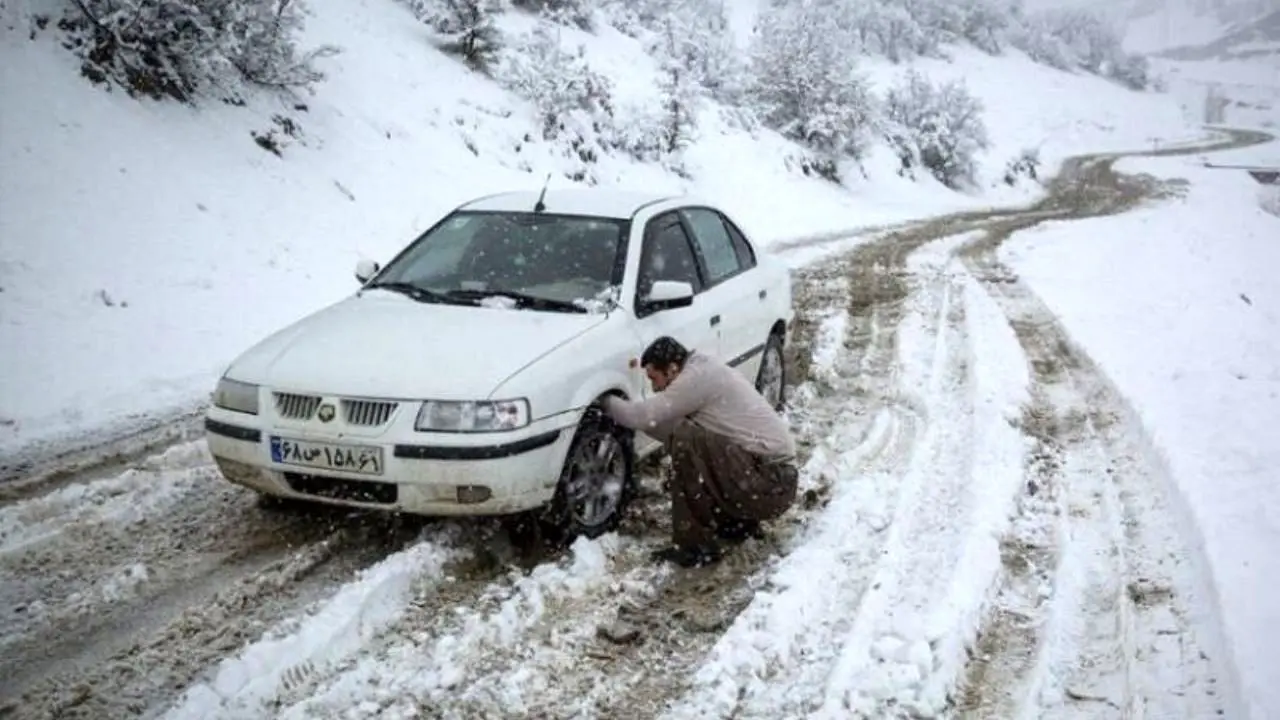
773, 356
610, 482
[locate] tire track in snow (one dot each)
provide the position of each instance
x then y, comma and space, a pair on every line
777, 659
1113, 633
138, 583
1094, 610
907, 642
747, 691
436, 651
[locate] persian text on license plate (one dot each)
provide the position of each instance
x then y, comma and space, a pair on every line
348, 458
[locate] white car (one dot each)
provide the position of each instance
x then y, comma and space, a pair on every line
458, 379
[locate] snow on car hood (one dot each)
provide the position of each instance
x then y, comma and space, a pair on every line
391, 346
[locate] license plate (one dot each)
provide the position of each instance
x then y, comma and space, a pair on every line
362, 459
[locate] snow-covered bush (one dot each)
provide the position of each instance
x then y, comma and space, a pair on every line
904, 29
701, 27
886, 28
576, 13
983, 24
178, 48
678, 85
573, 101
1090, 42
805, 83
938, 127
695, 32
1026, 164
1134, 72
466, 28
1076, 38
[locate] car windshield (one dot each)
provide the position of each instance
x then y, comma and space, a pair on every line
536, 260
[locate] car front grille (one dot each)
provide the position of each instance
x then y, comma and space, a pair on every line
296, 407
367, 413
360, 413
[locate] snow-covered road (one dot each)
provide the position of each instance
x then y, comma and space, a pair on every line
984, 532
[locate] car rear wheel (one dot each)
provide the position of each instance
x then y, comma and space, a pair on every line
596, 482
771, 379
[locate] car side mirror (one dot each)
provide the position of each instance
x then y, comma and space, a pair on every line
668, 295
366, 269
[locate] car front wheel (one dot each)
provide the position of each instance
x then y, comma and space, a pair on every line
771, 379
595, 483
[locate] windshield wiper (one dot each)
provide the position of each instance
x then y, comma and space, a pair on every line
522, 300
416, 292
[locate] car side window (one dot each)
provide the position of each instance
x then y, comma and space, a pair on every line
714, 242
666, 255
746, 254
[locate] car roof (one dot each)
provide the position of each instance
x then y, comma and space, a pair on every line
592, 202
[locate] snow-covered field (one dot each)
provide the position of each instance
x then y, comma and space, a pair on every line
125, 221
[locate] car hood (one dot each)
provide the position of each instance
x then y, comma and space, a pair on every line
382, 345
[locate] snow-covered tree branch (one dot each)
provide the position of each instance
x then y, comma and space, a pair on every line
177, 48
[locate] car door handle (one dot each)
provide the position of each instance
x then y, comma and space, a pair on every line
715, 320
763, 294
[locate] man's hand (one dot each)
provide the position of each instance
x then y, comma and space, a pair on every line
602, 409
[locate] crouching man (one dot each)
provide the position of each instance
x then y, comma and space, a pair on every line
733, 456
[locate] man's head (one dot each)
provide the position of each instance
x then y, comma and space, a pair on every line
663, 360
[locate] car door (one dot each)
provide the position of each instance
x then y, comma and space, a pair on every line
667, 254
732, 288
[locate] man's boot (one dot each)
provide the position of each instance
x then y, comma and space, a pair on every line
737, 531
688, 557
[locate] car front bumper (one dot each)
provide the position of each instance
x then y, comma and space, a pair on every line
442, 474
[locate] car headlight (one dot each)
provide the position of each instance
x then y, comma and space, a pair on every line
235, 395
479, 416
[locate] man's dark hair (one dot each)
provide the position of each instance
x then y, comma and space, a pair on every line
663, 353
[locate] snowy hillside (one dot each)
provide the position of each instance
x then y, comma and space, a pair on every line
143, 243
1159, 26
1152, 26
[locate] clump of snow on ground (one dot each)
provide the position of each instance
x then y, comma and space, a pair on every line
413, 667
136, 233
1179, 304
342, 626
133, 495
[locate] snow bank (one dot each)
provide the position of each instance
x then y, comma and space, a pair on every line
1179, 304
144, 245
